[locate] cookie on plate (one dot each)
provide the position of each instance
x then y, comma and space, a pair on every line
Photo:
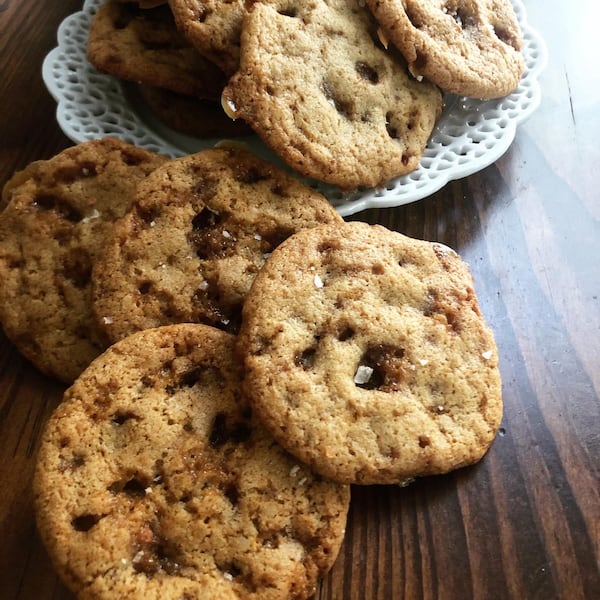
154, 479
320, 90
59, 213
194, 239
213, 27
367, 356
191, 115
467, 47
144, 45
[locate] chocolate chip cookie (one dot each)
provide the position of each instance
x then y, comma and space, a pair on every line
144, 45
51, 231
367, 356
155, 480
317, 86
199, 230
213, 27
467, 47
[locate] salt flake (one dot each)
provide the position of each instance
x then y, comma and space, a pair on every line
363, 374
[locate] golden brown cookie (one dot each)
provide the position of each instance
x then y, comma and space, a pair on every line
198, 232
367, 356
154, 480
213, 27
467, 47
326, 97
51, 231
144, 45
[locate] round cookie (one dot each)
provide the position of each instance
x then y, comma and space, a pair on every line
144, 45
326, 97
213, 27
467, 47
154, 480
59, 213
198, 232
367, 357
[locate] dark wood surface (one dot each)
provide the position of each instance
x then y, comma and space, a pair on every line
525, 522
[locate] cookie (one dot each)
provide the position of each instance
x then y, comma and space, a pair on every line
194, 239
467, 47
333, 104
50, 234
190, 115
144, 45
367, 356
213, 27
154, 479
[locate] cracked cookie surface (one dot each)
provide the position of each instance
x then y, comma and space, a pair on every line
58, 213
195, 237
367, 357
155, 480
145, 46
213, 27
316, 85
467, 47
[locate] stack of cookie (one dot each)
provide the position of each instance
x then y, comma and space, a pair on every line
238, 355
345, 92
139, 43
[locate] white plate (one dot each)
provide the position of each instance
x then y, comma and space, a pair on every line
470, 135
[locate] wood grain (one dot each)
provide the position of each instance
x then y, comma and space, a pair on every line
525, 522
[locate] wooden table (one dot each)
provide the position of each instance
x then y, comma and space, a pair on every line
522, 524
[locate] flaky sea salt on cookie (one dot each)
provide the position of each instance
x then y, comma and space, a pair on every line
58, 213
367, 356
154, 480
199, 230
467, 47
317, 86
